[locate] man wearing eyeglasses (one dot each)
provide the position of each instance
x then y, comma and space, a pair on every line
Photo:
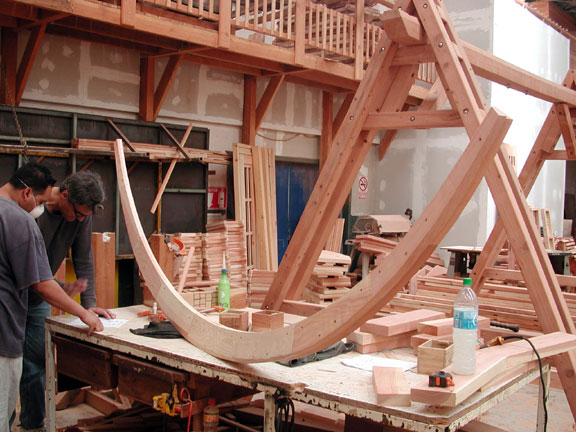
24, 264
66, 224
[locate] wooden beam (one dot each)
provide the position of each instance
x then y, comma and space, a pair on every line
267, 98
249, 115
414, 120
359, 41
165, 82
121, 134
224, 24
344, 107
36, 35
402, 28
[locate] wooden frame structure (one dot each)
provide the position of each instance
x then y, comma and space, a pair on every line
421, 32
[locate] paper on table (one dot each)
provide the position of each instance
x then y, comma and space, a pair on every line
367, 362
107, 323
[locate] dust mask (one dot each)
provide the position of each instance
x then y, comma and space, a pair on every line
37, 211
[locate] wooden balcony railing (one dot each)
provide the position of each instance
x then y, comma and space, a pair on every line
301, 25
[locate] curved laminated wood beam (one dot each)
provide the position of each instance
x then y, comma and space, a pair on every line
345, 315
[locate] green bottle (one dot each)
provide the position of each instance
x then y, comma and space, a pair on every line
224, 291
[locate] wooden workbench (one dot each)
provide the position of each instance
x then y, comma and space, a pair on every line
327, 383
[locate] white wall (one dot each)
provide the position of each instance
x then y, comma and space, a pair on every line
545, 52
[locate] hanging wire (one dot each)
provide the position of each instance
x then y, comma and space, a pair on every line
23, 142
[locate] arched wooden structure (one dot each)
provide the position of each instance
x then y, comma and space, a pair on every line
417, 30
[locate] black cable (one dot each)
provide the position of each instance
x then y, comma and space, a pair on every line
544, 392
283, 413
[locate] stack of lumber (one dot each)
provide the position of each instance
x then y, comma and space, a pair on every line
390, 332
235, 250
566, 244
192, 242
213, 255
506, 303
156, 151
259, 282
328, 281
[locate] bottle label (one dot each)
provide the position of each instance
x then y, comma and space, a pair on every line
211, 418
466, 319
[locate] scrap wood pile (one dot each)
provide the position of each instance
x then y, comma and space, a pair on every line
259, 282
508, 303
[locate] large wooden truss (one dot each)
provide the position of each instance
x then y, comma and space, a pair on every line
419, 26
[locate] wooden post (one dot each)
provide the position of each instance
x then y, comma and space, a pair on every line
359, 38
9, 64
299, 32
146, 105
326, 137
225, 11
249, 126
128, 13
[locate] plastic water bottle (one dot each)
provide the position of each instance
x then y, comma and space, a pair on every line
224, 290
210, 416
465, 331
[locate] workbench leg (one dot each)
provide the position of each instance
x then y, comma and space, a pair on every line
546, 378
269, 409
50, 393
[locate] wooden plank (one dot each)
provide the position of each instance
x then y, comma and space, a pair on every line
401, 323
146, 99
104, 250
443, 327
490, 364
391, 386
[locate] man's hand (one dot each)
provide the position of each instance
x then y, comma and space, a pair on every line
76, 287
102, 312
92, 321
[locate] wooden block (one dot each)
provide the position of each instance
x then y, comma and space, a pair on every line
391, 386
235, 318
267, 320
387, 343
443, 327
104, 250
419, 339
434, 355
401, 323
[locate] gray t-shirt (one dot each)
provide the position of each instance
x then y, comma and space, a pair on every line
23, 262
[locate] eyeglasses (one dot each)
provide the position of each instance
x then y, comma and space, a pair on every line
78, 213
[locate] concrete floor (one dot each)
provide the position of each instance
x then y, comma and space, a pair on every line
518, 412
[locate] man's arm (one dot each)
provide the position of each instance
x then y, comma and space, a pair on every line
52, 293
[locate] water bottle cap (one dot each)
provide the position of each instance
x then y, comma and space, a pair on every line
467, 282
211, 401
223, 271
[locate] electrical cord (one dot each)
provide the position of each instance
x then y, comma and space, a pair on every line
544, 391
284, 413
